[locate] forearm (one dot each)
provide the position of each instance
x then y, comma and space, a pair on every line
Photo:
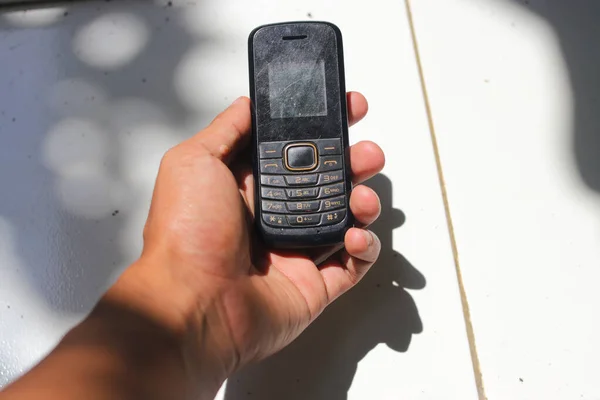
121, 351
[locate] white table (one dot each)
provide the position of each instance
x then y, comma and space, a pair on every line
93, 93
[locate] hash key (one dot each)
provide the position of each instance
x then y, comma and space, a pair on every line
333, 217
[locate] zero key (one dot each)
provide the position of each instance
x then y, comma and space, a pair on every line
304, 220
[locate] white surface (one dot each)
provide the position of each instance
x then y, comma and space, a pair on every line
97, 95
513, 90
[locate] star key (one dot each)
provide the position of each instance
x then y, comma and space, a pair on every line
275, 220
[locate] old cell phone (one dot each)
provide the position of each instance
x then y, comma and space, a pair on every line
300, 134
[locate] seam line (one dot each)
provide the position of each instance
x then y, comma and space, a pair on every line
463, 296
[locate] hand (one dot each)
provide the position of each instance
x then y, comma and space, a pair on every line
206, 278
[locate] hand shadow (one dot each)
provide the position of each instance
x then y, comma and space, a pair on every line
322, 362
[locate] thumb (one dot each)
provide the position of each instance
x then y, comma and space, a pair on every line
228, 132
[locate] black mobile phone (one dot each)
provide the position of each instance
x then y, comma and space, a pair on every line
300, 134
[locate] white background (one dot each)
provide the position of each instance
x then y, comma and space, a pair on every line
92, 94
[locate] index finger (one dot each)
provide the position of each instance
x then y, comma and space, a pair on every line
357, 107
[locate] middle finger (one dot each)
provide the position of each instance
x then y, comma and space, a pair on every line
366, 160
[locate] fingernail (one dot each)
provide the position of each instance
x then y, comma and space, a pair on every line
238, 100
369, 237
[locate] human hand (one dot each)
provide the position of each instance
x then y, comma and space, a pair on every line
206, 278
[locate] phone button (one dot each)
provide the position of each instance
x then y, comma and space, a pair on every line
271, 167
275, 220
329, 163
332, 190
333, 217
302, 180
270, 193
308, 193
271, 149
329, 146
301, 157
272, 180
330, 177
304, 220
304, 206
335, 203
273, 206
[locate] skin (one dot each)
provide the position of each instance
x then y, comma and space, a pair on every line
205, 297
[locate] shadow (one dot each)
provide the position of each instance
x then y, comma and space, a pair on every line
322, 362
69, 258
576, 23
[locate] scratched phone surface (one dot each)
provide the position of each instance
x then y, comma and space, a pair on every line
297, 89
300, 134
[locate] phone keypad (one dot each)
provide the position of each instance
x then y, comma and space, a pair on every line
296, 195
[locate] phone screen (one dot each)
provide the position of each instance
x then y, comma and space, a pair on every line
297, 89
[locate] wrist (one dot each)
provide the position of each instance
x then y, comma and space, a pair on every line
191, 322
139, 356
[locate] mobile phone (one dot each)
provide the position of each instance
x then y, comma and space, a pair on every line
299, 134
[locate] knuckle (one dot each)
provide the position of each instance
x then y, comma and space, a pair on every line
170, 157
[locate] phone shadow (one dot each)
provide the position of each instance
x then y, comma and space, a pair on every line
322, 362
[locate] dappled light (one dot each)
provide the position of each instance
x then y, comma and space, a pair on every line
111, 40
74, 145
210, 75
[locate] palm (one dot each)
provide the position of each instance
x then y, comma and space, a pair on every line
288, 280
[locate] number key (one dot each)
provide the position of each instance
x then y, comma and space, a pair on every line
272, 180
332, 204
304, 220
306, 193
301, 180
304, 206
274, 206
270, 193
330, 177
332, 190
